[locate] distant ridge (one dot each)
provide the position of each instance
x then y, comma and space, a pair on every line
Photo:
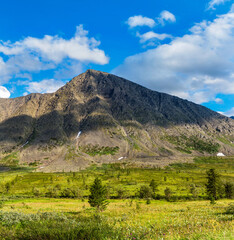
99, 117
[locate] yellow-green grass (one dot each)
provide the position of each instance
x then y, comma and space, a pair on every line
179, 177
158, 220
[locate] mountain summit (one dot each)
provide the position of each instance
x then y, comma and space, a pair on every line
99, 117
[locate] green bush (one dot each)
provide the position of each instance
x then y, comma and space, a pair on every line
186, 144
230, 209
94, 150
72, 192
145, 192
52, 226
168, 193
121, 193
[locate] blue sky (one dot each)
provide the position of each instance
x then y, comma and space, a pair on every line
183, 47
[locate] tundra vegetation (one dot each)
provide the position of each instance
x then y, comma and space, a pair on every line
119, 201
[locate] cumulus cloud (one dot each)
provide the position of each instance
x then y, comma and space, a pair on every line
35, 54
195, 66
139, 20
166, 16
44, 86
4, 93
213, 3
151, 36
55, 48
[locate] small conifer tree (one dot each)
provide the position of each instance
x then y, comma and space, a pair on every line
7, 186
153, 185
168, 193
213, 184
98, 195
229, 190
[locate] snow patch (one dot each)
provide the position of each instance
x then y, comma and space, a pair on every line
78, 135
25, 144
220, 154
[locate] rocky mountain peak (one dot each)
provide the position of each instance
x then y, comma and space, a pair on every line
108, 112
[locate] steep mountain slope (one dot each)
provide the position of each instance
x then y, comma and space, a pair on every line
99, 117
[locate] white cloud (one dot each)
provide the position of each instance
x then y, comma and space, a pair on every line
80, 48
44, 86
4, 93
166, 16
55, 48
35, 54
219, 100
200, 96
213, 3
230, 112
140, 21
152, 35
196, 66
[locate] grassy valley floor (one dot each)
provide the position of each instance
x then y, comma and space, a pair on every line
54, 206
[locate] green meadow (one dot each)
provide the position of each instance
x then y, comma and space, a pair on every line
35, 205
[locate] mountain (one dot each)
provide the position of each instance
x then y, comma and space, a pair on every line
232, 117
98, 117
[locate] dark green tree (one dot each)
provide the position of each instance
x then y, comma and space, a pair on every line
98, 195
145, 192
7, 186
168, 193
213, 184
120, 193
229, 190
153, 185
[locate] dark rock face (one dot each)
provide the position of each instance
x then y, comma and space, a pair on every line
109, 111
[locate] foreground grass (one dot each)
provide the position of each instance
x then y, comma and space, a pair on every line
123, 219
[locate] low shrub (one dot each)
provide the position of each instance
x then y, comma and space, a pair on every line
94, 150
230, 209
53, 226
